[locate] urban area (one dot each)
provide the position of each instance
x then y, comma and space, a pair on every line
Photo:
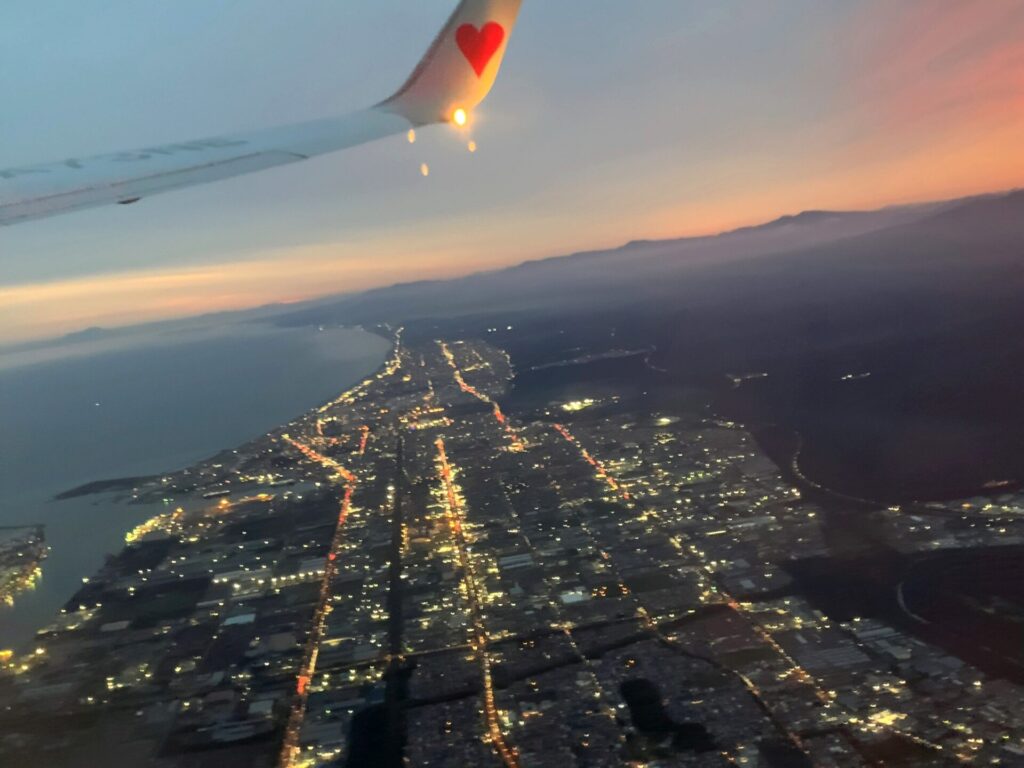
409, 575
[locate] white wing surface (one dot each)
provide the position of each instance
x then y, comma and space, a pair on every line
456, 73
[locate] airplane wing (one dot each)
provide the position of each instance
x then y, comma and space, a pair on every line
456, 74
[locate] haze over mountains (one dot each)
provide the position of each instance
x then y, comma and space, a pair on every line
673, 269
990, 228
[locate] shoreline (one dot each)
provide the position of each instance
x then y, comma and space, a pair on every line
89, 520
132, 483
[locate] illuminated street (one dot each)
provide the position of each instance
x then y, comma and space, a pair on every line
409, 573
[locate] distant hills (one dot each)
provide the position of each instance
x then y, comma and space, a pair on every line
87, 334
667, 269
942, 233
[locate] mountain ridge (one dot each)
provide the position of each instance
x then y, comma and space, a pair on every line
789, 233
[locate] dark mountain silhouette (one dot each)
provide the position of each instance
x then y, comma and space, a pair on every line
929, 236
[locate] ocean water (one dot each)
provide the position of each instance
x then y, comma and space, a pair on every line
149, 404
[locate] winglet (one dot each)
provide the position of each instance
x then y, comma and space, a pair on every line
461, 65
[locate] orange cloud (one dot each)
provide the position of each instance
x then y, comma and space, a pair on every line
48, 308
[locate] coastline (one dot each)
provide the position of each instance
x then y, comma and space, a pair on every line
138, 484
86, 521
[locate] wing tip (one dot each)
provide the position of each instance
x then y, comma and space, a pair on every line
460, 66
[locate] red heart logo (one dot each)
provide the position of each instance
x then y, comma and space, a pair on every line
480, 45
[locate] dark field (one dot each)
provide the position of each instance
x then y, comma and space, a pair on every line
969, 602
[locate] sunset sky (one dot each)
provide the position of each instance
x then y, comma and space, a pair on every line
611, 121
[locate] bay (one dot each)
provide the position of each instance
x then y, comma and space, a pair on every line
154, 403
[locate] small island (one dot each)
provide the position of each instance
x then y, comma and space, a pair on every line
104, 486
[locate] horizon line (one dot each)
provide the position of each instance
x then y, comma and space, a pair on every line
19, 344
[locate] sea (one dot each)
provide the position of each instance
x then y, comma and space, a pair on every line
142, 404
